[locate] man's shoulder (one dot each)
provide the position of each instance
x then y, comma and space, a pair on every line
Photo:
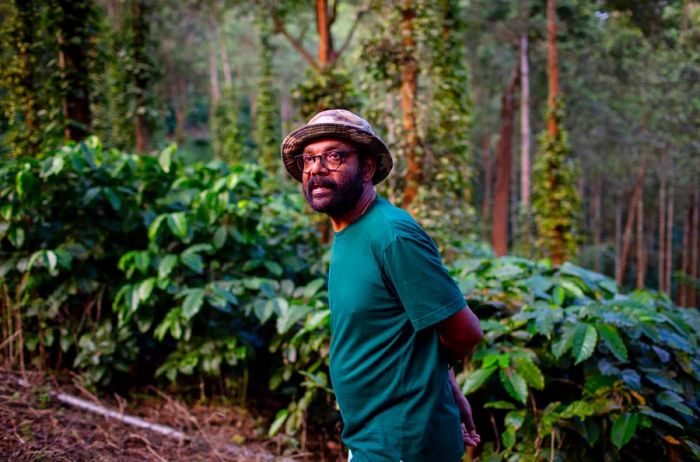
396, 221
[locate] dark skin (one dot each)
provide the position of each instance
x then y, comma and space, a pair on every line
459, 333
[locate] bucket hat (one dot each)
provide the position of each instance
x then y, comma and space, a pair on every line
341, 124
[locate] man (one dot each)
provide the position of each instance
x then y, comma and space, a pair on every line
397, 317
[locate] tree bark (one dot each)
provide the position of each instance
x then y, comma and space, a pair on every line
618, 234
552, 69
140, 27
180, 105
499, 228
73, 48
225, 62
326, 53
627, 236
524, 125
596, 222
641, 264
662, 232
669, 242
409, 85
488, 182
214, 89
694, 238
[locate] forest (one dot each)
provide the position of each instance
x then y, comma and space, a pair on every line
151, 239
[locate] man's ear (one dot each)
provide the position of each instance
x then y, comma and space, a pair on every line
369, 167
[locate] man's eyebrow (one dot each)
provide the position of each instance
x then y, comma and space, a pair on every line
332, 147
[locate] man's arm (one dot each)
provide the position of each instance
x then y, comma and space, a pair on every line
460, 333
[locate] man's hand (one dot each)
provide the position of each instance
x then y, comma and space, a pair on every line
469, 435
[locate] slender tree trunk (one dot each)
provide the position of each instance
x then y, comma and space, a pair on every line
552, 68
409, 85
524, 120
627, 236
140, 29
214, 89
618, 235
180, 105
325, 39
662, 232
694, 238
596, 225
641, 265
683, 292
488, 182
225, 62
499, 229
74, 45
669, 242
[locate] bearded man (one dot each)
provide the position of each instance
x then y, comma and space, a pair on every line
397, 317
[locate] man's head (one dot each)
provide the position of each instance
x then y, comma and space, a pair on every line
341, 125
335, 174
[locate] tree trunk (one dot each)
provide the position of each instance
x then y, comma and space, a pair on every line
524, 118
140, 27
682, 295
499, 228
225, 62
596, 222
618, 234
214, 89
662, 232
74, 45
488, 182
669, 243
640, 243
409, 85
180, 106
325, 38
694, 238
552, 69
627, 236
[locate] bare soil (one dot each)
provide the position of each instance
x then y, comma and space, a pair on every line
35, 426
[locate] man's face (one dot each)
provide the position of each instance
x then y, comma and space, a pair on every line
333, 192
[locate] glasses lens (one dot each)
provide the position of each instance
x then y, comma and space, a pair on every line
331, 160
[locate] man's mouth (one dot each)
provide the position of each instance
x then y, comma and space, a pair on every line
320, 189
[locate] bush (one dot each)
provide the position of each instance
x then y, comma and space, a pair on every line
139, 267
571, 366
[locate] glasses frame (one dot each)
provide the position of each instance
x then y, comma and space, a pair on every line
301, 164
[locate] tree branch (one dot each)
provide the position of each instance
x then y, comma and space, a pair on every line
296, 44
334, 13
350, 34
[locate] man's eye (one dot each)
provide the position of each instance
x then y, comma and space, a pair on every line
332, 155
308, 159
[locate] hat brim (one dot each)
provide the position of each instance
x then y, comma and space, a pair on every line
295, 142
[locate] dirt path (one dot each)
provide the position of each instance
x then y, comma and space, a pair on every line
35, 425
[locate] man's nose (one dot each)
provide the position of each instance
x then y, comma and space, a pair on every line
317, 167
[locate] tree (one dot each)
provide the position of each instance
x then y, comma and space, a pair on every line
267, 116
555, 198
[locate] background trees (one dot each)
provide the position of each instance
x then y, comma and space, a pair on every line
441, 81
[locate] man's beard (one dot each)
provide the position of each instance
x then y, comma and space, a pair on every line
343, 196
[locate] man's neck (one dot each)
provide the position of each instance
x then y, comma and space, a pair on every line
363, 203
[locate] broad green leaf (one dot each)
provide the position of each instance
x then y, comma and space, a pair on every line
580, 409
675, 401
312, 287
694, 448
219, 237
572, 289
532, 374
113, 199
165, 158
166, 265
499, 405
274, 267
276, 426
508, 438
659, 378
177, 222
146, 288
154, 228
193, 261
16, 236
562, 345
514, 384
662, 417
515, 419
193, 302
611, 338
289, 315
623, 429
584, 342
558, 295
476, 379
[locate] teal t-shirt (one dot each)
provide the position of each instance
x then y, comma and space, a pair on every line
388, 288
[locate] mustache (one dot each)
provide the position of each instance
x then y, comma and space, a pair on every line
320, 182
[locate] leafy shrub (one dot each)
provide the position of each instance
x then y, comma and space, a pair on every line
574, 370
120, 261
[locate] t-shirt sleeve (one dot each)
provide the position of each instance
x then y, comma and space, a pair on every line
413, 265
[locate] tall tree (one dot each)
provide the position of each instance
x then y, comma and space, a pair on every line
267, 115
555, 197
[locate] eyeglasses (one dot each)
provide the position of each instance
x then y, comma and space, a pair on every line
330, 160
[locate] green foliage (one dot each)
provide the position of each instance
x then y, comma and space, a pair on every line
226, 137
190, 270
555, 202
326, 89
613, 376
267, 129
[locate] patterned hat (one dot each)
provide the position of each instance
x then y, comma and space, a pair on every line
342, 124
